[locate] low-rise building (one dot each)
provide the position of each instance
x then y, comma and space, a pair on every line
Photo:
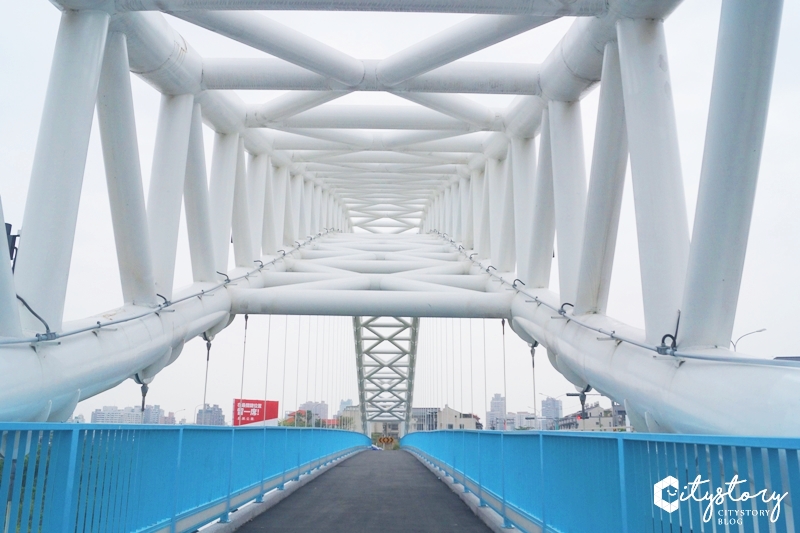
210, 416
351, 418
523, 420
449, 418
593, 418
319, 409
424, 419
111, 414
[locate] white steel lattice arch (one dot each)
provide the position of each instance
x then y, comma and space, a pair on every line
444, 208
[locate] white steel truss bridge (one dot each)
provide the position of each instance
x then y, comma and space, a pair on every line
389, 214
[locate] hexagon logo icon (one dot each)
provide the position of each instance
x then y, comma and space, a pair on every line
658, 494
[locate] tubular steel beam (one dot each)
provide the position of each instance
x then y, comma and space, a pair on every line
498, 7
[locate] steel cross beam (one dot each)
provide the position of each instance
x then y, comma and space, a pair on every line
386, 354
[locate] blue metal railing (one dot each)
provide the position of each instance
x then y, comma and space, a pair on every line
108, 478
571, 482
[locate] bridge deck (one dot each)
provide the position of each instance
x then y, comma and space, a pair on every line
374, 491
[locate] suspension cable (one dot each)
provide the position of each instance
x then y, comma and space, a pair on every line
205, 385
533, 368
471, 373
485, 387
317, 362
461, 364
325, 336
266, 372
297, 370
308, 374
244, 354
447, 361
285, 343
505, 392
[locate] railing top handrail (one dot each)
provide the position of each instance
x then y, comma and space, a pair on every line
713, 440
61, 426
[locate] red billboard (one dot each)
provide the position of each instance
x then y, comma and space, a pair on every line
252, 411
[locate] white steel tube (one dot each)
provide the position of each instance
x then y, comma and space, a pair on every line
514, 7
471, 35
221, 190
456, 106
288, 210
542, 231
569, 192
609, 162
442, 212
475, 77
475, 193
240, 217
195, 202
256, 187
10, 325
746, 50
264, 74
467, 230
375, 117
448, 211
323, 214
166, 186
269, 231
51, 210
124, 175
280, 41
288, 105
661, 221
483, 228
501, 208
371, 303
660, 395
316, 210
305, 221
279, 191
331, 206
493, 206
297, 207
523, 174
455, 196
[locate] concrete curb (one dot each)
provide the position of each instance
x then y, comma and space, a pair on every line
489, 517
271, 499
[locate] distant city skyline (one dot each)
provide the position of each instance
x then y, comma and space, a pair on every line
111, 414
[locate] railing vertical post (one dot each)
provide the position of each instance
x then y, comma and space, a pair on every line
623, 495
506, 523
69, 511
260, 497
283, 474
176, 489
480, 473
464, 460
453, 454
541, 477
225, 518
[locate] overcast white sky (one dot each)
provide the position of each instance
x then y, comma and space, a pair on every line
770, 291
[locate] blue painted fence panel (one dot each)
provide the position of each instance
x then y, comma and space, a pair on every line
124, 478
572, 482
